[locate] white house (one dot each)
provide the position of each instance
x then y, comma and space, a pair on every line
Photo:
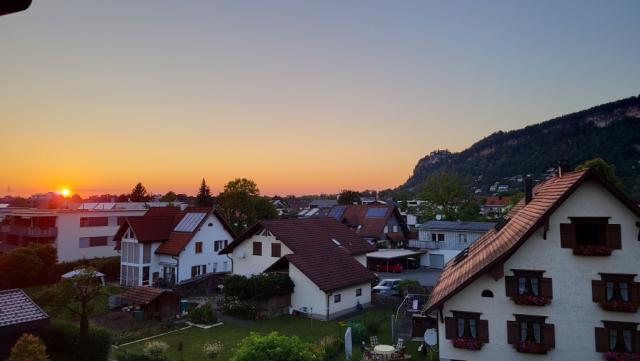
325, 260
557, 281
76, 234
445, 239
168, 246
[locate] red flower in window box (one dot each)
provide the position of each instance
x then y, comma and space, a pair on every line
531, 347
531, 300
592, 250
467, 343
619, 306
621, 356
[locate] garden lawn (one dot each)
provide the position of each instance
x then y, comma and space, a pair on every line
308, 330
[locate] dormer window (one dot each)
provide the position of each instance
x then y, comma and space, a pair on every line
590, 236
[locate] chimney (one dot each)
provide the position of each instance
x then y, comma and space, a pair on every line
563, 167
528, 189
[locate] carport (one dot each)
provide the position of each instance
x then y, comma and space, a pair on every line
393, 256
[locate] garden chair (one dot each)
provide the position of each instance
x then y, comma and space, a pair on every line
374, 341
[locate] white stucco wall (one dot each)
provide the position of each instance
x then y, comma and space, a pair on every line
246, 264
572, 311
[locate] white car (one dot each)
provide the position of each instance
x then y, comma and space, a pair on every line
387, 287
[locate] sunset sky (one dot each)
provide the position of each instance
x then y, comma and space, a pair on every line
301, 96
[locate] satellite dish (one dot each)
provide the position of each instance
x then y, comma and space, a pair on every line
431, 337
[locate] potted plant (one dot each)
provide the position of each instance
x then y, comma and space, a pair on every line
531, 347
619, 306
531, 300
467, 343
592, 250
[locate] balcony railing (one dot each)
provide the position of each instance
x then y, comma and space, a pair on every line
30, 231
452, 245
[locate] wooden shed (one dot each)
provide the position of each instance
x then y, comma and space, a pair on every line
157, 303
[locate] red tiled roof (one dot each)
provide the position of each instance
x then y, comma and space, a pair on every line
176, 243
142, 295
495, 246
496, 201
329, 265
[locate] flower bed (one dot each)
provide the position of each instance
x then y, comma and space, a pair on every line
621, 356
467, 343
619, 306
530, 300
592, 251
531, 347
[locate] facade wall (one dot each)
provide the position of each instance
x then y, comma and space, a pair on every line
246, 264
572, 311
449, 236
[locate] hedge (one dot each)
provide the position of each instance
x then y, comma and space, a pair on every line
258, 288
62, 341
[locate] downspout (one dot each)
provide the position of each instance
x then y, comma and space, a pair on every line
230, 259
328, 295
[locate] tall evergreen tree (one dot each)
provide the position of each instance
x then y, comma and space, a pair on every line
139, 194
204, 198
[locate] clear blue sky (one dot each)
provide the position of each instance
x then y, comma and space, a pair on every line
301, 96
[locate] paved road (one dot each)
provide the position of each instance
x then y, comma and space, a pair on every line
426, 277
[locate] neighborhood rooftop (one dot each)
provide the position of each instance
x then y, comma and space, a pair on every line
457, 226
17, 308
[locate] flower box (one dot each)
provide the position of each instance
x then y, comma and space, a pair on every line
592, 251
531, 347
621, 356
619, 306
531, 300
467, 343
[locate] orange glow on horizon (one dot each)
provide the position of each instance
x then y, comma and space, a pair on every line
65, 192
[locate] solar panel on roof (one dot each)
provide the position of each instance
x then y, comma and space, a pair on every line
376, 212
337, 211
189, 222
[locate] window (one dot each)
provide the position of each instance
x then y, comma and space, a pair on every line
94, 221
146, 253
145, 275
437, 237
467, 326
225, 264
86, 242
462, 237
590, 236
530, 334
218, 245
198, 247
336, 298
257, 248
616, 292
619, 337
487, 293
358, 292
198, 270
529, 288
275, 249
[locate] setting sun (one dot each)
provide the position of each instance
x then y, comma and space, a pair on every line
65, 192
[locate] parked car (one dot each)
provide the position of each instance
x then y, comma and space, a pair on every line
387, 287
393, 268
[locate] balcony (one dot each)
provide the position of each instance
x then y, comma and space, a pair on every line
450, 245
30, 231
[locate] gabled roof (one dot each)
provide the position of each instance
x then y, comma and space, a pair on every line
169, 226
17, 308
457, 226
496, 246
330, 265
142, 295
368, 220
497, 201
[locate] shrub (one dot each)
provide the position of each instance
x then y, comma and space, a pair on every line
328, 347
155, 350
358, 332
131, 356
20, 268
232, 306
273, 347
203, 315
259, 287
62, 338
212, 349
28, 347
373, 325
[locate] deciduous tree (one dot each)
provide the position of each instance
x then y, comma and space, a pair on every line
347, 196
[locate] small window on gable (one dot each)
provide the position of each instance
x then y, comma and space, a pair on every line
210, 224
336, 298
487, 293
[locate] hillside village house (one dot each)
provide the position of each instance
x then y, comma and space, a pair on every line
325, 260
557, 280
76, 234
446, 239
494, 206
375, 222
167, 246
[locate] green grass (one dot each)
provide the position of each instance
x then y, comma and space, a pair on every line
308, 330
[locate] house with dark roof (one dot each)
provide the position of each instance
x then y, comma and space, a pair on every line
558, 277
325, 260
445, 239
375, 222
169, 245
18, 315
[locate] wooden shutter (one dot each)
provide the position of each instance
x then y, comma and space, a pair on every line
546, 287
637, 341
614, 238
511, 286
549, 335
512, 332
635, 295
597, 290
450, 328
602, 340
567, 235
483, 331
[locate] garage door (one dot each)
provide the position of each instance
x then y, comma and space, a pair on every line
436, 261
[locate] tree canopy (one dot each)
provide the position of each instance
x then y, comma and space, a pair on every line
349, 197
139, 194
446, 195
204, 198
240, 202
605, 169
171, 196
